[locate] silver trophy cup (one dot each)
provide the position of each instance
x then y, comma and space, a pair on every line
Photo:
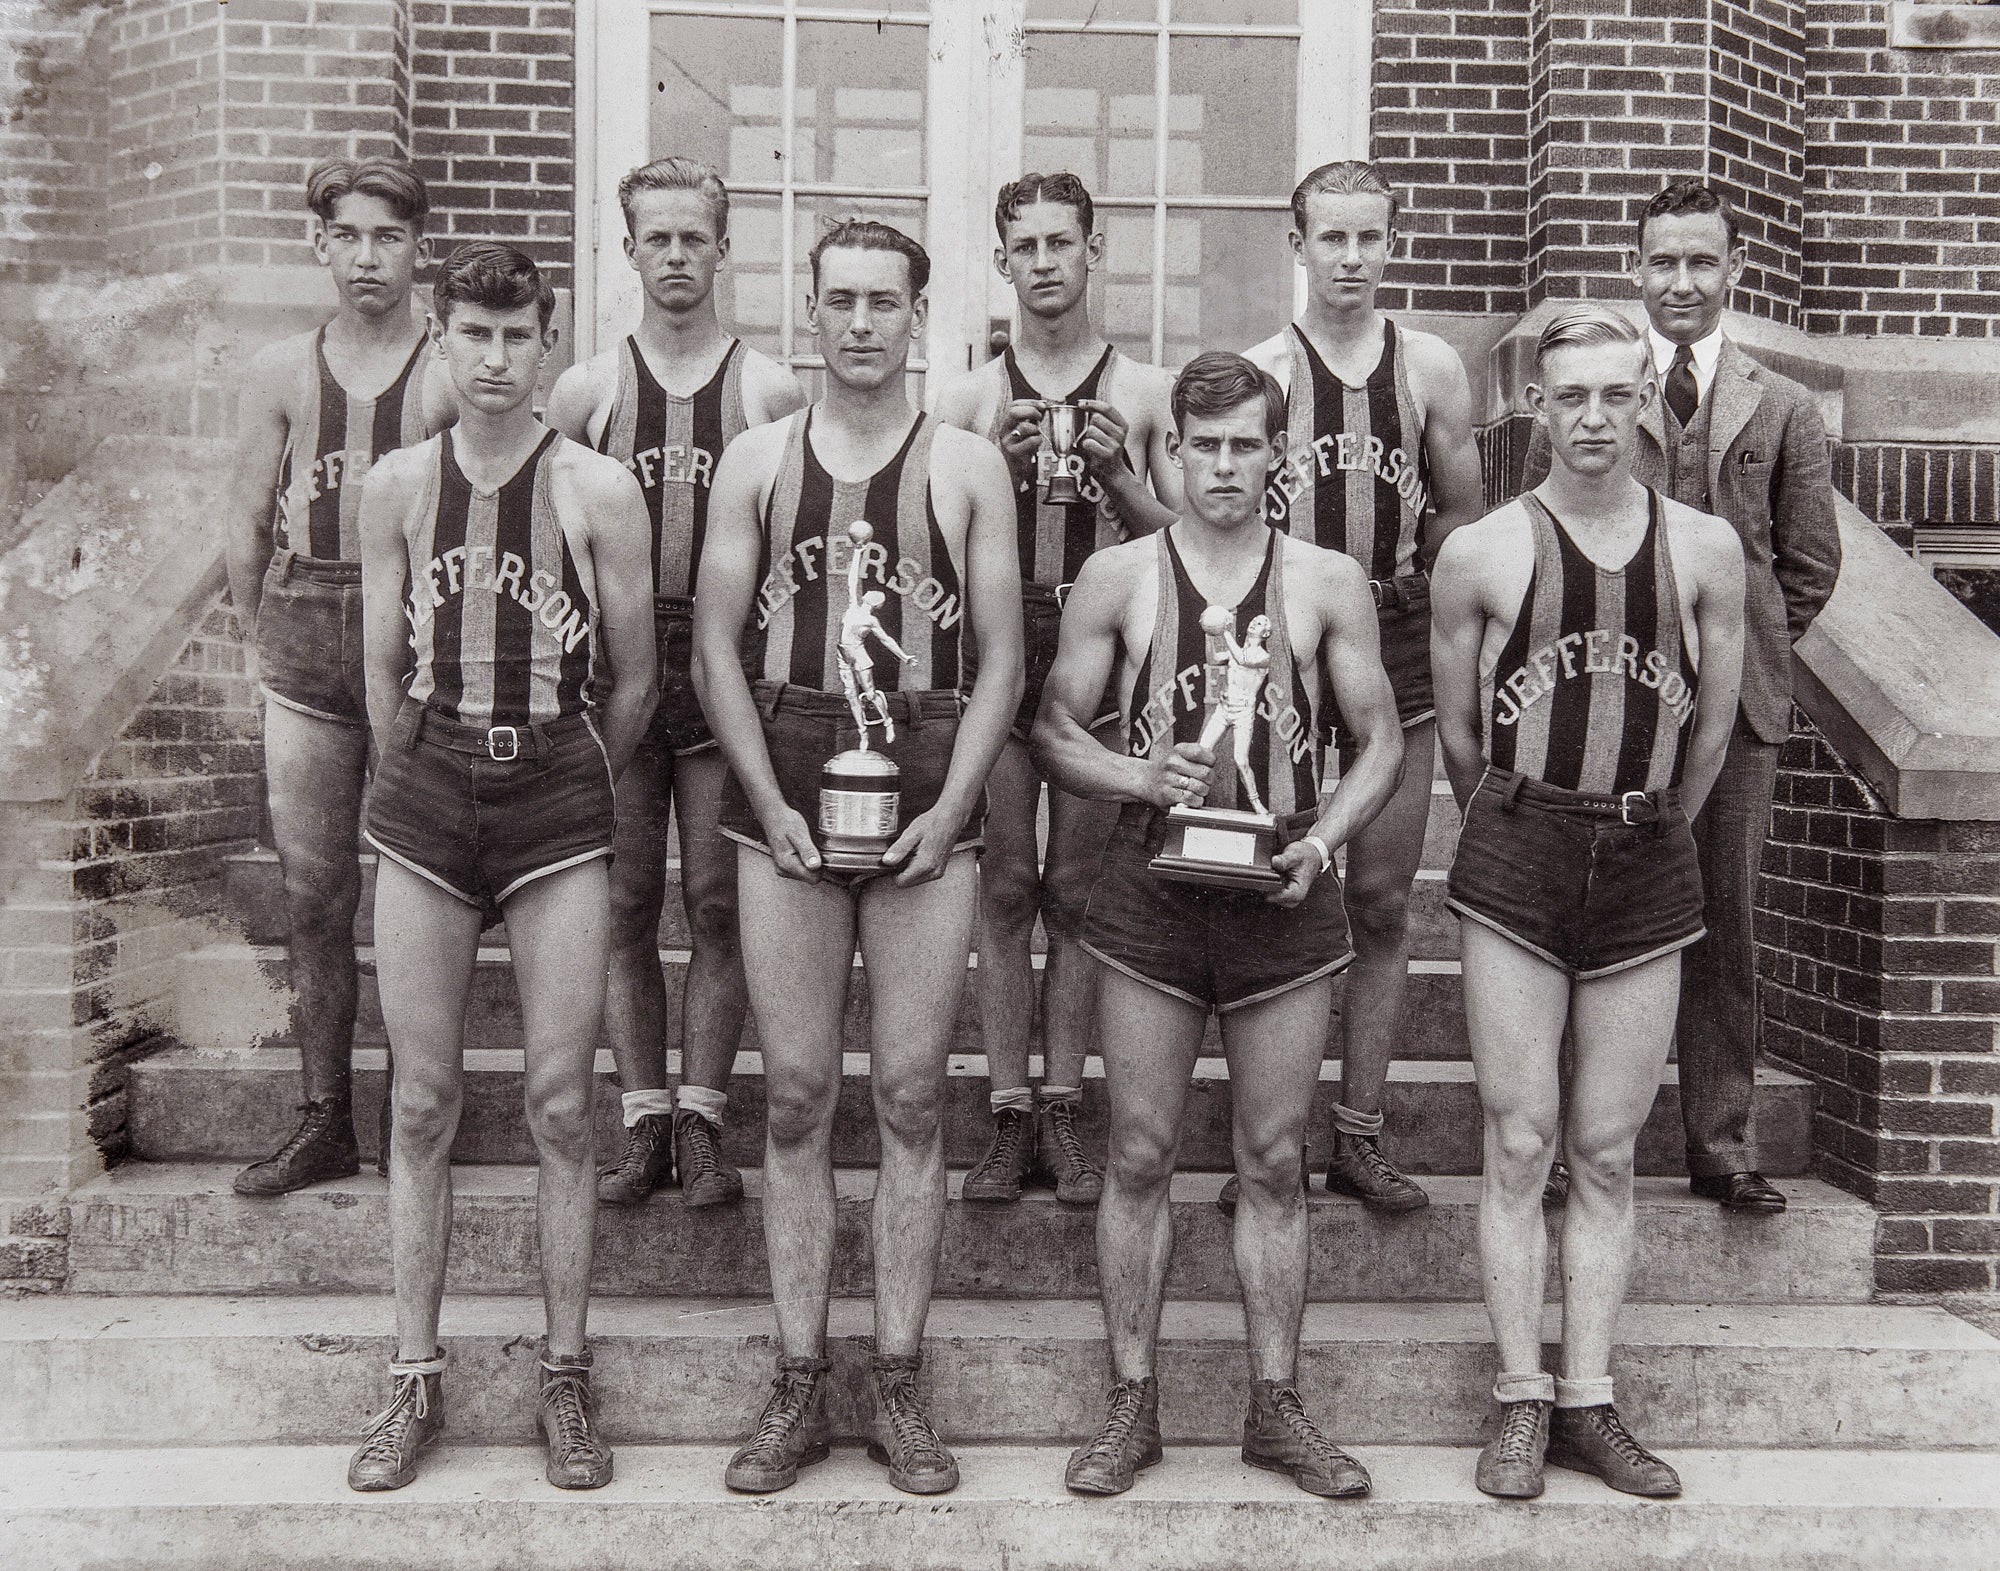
1065, 426
860, 808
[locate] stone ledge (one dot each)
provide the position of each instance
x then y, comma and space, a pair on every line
1904, 682
1926, 24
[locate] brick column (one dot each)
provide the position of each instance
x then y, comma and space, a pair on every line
1626, 94
1879, 943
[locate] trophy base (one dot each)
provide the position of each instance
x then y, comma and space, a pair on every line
1219, 847
860, 800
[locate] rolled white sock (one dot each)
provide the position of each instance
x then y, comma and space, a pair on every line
1348, 1122
646, 1104
1018, 1099
699, 1099
1536, 1387
1060, 1094
1583, 1393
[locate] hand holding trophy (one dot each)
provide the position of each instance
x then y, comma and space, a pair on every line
1226, 846
860, 794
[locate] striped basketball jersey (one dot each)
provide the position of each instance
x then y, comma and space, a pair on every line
1354, 477
502, 623
1594, 689
333, 439
671, 445
795, 626
1185, 673
1056, 538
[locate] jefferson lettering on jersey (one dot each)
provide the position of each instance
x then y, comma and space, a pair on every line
502, 624
1594, 689
1354, 477
332, 441
671, 446
1185, 674
796, 626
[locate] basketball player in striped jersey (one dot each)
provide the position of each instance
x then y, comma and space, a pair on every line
1587, 645
664, 403
1049, 247
1382, 465
1163, 617
508, 611
316, 410
938, 569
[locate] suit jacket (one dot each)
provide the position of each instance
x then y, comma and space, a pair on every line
1768, 475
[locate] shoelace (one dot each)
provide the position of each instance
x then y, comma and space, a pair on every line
1377, 1164
318, 1116
1517, 1433
565, 1395
386, 1430
914, 1436
698, 1135
783, 1412
1007, 1140
1285, 1400
1127, 1400
1063, 1126
1621, 1439
641, 1141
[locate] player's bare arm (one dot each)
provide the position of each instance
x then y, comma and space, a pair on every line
770, 390
729, 562
1350, 653
1092, 647
393, 487
1717, 554
1274, 355
262, 426
1460, 598
619, 535
1147, 494
582, 395
966, 473
1451, 455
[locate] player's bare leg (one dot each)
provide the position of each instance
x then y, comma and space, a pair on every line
715, 1001
1009, 899
635, 993
1078, 831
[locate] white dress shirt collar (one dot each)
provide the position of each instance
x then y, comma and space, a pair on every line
1706, 350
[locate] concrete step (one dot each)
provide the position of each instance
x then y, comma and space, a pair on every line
148, 1228
187, 1105
248, 1508
304, 1370
237, 995
253, 904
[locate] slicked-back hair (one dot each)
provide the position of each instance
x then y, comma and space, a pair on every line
1347, 177
1216, 381
493, 275
1578, 325
389, 180
1061, 187
867, 234
1689, 196
678, 174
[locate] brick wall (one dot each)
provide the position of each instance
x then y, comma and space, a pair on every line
1910, 485
1879, 943
53, 120
1756, 142
492, 124
164, 164
1449, 126
1903, 159
121, 880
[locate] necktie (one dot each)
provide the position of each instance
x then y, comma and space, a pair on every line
1683, 397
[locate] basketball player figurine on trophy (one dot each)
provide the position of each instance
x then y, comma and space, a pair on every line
1065, 426
1219, 845
859, 794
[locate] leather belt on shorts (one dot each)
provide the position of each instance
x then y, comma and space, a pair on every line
1394, 594
1628, 807
501, 743
1033, 593
331, 570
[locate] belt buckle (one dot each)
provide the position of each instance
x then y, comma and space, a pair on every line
1629, 801
495, 736
1062, 593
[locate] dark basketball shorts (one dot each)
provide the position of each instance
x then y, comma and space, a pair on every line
309, 638
480, 828
804, 727
678, 725
1586, 892
1403, 617
1218, 949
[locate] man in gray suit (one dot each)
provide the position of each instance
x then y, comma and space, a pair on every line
1734, 439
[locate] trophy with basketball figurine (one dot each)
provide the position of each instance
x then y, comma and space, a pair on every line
1066, 423
1225, 846
860, 790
